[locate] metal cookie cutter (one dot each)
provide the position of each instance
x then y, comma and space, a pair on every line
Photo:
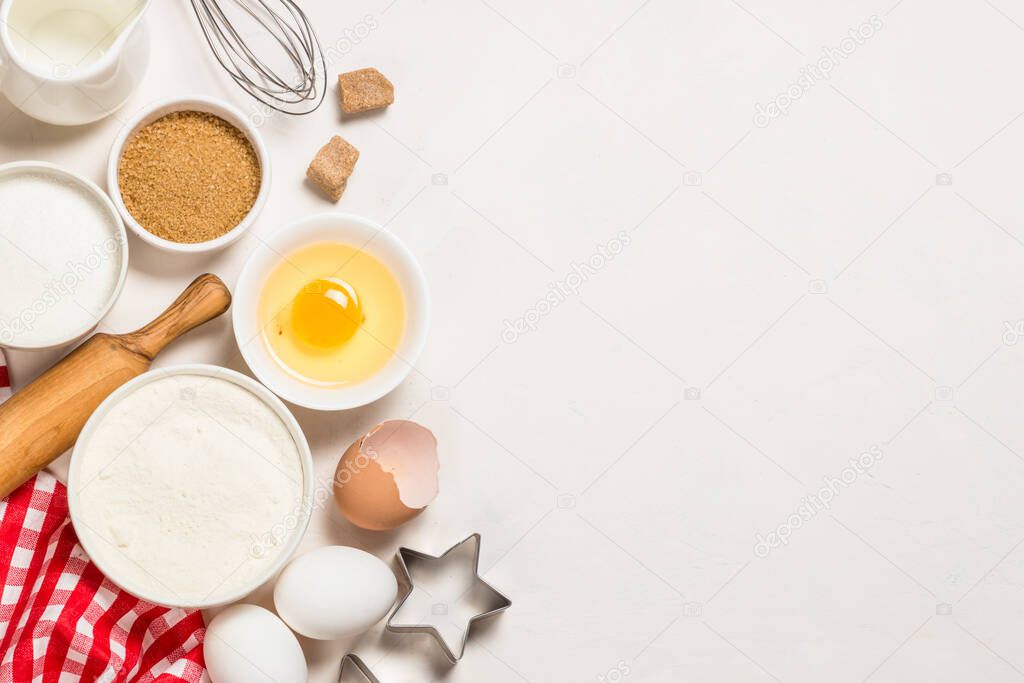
358, 665
488, 599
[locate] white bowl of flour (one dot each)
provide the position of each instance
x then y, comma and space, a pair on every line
64, 253
191, 486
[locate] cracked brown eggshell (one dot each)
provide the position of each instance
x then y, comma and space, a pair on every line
388, 476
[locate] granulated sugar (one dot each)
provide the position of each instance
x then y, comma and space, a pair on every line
60, 258
189, 176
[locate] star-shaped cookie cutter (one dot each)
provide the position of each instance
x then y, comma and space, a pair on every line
359, 665
493, 601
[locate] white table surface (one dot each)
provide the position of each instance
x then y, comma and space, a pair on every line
791, 296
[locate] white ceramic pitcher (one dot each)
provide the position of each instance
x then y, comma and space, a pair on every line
70, 62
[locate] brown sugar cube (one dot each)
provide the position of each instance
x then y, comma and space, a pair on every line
332, 166
364, 90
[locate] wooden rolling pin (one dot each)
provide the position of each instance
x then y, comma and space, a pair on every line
43, 420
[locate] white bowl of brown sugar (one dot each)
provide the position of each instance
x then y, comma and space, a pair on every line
189, 175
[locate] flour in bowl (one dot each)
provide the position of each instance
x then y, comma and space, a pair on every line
184, 488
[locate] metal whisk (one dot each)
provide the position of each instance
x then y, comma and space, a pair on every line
297, 83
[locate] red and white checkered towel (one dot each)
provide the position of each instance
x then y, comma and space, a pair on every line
61, 620
5, 379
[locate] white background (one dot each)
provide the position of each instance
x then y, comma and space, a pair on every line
816, 284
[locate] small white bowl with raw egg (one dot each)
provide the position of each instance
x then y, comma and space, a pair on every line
331, 312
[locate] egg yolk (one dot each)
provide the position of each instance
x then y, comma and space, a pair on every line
326, 313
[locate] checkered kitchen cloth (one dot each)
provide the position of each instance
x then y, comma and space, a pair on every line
61, 620
5, 379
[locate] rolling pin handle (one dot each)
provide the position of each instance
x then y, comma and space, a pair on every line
203, 300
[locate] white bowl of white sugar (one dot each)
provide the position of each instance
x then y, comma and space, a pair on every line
63, 255
191, 486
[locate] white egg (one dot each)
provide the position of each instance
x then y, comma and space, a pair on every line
334, 592
248, 644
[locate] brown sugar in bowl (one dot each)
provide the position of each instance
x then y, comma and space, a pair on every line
226, 131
